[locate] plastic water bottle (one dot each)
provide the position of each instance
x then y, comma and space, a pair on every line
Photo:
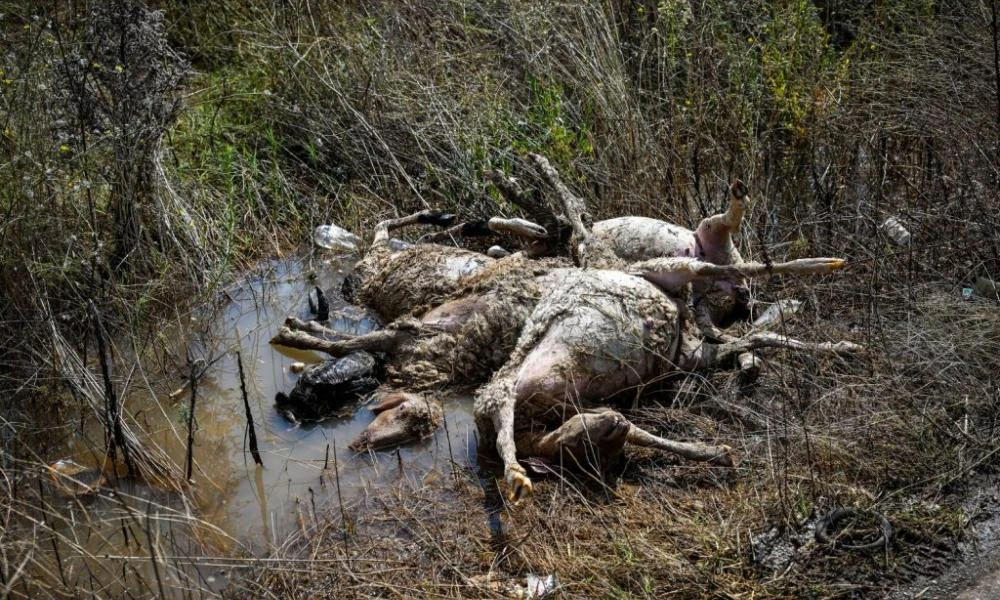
773, 316
334, 237
895, 230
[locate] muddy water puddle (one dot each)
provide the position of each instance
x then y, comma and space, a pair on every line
305, 467
304, 464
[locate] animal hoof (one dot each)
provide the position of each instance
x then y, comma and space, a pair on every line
520, 485
739, 189
436, 217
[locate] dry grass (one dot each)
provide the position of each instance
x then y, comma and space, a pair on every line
316, 111
897, 432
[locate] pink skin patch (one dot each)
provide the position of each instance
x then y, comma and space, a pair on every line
451, 316
551, 376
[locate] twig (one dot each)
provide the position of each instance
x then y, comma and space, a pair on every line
193, 382
115, 435
251, 431
152, 550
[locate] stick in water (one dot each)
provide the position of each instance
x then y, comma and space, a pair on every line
251, 432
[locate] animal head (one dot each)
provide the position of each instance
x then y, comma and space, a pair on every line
401, 417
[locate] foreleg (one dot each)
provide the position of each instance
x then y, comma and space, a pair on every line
383, 340
718, 455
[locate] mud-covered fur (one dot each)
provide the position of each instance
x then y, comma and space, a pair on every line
329, 389
395, 283
466, 350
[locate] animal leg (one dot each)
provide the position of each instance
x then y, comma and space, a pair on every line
584, 439
573, 206
673, 273
715, 233
426, 217
383, 340
497, 399
477, 228
518, 227
717, 455
531, 203
722, 355
297, 324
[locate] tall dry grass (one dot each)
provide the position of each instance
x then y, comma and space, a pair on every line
232, 128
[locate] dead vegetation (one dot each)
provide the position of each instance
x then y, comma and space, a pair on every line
134, 187
893, 435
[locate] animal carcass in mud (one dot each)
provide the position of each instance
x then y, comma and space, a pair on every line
395, 283
637, 317
464, 339
596, 333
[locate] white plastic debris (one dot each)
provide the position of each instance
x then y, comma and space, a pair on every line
396, 244
497, 252
334, 237
897, 231
777, 313
540, 587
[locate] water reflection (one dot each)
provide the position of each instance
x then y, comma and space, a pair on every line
259, 506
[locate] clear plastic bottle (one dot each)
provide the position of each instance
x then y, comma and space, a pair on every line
777, 312
895, 230
334, 237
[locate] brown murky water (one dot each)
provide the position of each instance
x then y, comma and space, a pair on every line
259, 508
245, 509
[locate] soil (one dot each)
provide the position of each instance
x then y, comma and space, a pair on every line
973, 572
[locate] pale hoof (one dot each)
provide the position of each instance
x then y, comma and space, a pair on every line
520, 485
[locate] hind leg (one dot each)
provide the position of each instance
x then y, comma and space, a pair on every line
586, 441
603, 434
425, 217
719, 455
